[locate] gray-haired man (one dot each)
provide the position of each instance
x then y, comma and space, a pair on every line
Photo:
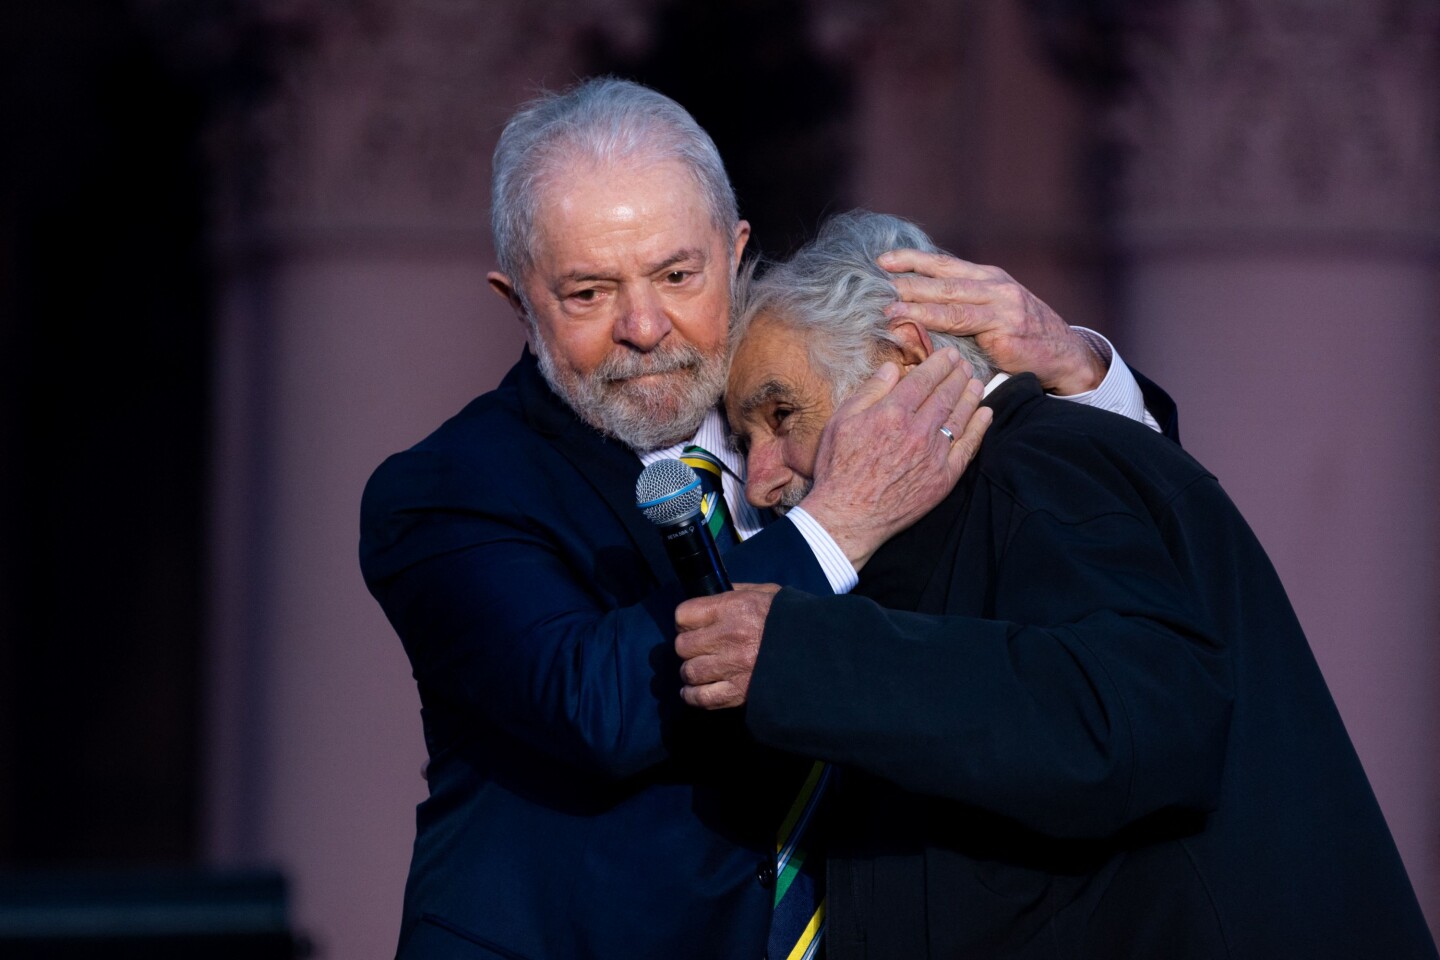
1096, 731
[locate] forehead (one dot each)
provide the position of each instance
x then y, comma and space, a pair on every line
771, 360
631, 209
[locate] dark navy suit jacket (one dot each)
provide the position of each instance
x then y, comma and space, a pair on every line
576, 809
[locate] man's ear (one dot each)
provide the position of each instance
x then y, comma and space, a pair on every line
913, 341
504, 287
742, 237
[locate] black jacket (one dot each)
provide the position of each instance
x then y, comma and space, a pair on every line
1114, 743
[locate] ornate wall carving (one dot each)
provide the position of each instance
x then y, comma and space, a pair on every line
1313, 116
357, 116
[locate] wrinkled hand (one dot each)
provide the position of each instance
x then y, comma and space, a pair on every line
883, 463
718, 640
1017, 329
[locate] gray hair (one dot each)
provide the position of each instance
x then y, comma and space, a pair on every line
834, 293
604, 120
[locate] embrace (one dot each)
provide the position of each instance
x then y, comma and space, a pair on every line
1006, 674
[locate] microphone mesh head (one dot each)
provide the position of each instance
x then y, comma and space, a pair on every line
667, 492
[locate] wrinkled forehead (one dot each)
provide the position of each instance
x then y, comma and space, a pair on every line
770, 339
771, 357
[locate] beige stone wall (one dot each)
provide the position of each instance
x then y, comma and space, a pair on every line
1281, 221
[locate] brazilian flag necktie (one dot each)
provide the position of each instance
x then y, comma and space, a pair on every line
712, 502
797, 925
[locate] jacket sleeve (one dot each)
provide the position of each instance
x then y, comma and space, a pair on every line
1096, 697
507, 621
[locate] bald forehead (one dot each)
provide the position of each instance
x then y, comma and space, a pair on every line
566, 169
582, 182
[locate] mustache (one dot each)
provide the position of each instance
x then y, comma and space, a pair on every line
793, 494
629, 364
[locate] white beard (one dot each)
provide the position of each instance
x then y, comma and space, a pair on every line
643, 416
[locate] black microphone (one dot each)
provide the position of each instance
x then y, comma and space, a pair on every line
668, 493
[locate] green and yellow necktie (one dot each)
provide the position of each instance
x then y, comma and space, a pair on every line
712, 502
797, 926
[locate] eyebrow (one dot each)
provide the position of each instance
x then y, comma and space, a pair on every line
679, 256
767, 392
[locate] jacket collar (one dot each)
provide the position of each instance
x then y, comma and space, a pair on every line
1011, 396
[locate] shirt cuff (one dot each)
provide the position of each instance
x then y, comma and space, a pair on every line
1118, 392
838, 568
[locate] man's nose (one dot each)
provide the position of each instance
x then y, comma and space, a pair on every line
766, 476
642, 322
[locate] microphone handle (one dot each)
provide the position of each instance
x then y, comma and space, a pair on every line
695, 558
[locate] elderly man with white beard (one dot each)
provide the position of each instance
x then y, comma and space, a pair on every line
1072, 710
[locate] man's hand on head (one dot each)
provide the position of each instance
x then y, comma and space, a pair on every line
1017, 329
883, 460
718, 639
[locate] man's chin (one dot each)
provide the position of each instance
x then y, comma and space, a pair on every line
645, 412
647, 421
667, 405
651, 381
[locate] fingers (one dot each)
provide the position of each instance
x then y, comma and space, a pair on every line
964, 308
932, 265
692, 615
947, 294
965, 424
967, 443
713, 696
702, 669
934, 388
921, 382
963, 407
698, 612
875, 388
718, 653
957, 319
961, 298
882, 385
944, 289
713, 683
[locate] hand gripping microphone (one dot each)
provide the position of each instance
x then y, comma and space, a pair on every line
668, 492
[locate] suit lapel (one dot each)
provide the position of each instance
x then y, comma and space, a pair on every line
608, 466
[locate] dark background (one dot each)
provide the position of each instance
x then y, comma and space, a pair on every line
104, 360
